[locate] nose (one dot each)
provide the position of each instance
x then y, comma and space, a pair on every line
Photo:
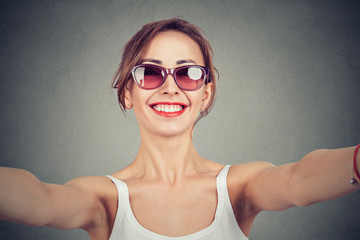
170, 86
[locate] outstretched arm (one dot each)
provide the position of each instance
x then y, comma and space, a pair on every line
26, 200
321, 175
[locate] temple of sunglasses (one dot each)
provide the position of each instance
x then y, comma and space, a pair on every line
189, 77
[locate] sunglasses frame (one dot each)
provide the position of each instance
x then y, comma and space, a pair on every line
172, 72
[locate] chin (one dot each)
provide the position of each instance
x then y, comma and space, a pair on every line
171, 131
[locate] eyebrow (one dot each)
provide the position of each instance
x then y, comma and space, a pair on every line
151, 60
185, 61
178, 62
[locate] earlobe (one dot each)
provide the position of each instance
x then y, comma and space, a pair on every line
128, 105
128, 101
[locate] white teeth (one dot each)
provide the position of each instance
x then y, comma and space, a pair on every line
167, 108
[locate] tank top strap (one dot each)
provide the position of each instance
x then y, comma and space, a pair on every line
222, 187
121, 200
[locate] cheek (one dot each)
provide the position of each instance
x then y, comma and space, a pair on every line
139, 96
140, 99
197, 102
196, 98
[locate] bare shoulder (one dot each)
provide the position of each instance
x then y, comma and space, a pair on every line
241, 174
104, 193
99, 186
238, 180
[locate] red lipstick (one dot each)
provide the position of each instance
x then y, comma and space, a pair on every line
163, 109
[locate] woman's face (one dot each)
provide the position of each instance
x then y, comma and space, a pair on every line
169, 49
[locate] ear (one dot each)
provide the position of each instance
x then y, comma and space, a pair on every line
127, 95
206, 95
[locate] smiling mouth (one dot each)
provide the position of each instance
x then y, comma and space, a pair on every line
168, 109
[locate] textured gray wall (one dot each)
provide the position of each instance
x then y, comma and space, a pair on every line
289, 83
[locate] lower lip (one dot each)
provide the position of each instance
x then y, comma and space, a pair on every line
169, 114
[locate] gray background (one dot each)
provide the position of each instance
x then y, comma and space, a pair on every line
289, 84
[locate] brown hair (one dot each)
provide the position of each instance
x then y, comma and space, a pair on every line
135, 48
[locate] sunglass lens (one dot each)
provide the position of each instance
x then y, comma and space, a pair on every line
190, 77
149, 77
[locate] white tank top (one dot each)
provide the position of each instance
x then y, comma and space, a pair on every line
224, 226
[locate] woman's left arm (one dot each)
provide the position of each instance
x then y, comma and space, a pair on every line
321, 175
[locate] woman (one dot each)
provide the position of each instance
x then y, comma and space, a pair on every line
167, 77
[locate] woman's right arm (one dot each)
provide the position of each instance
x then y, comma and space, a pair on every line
26, 200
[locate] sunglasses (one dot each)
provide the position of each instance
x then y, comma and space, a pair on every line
189, 77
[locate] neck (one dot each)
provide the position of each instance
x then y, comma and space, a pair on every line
167, 158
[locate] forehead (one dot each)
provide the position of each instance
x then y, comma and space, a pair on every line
171, 47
